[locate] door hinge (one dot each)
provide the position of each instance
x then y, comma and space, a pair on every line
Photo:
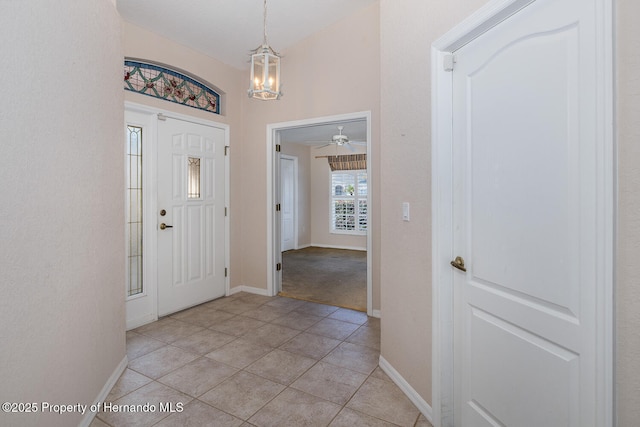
225, 272
278, 148
278, 207
225, 211
162, 117
448, 62
279, 266
226, 150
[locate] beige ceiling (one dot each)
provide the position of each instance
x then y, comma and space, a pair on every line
228, 29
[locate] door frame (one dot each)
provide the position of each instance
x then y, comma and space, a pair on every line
150, 201
294, 159
274, 254
442, 202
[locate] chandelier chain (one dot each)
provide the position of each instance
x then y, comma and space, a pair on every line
265, 22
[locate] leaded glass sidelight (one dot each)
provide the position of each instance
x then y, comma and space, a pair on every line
193, 178
134, 210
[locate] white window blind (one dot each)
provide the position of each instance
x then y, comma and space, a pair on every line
348, 211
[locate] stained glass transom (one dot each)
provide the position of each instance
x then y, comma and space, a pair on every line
163, 83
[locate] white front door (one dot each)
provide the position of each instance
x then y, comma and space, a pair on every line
287, 201
190, 217
525, 206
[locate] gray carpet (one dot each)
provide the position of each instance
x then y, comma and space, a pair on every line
329, 276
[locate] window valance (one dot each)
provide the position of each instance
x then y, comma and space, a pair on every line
348, 162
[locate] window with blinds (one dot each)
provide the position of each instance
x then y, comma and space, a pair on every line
348, 210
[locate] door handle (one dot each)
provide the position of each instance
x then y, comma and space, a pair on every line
458, 263
163, 226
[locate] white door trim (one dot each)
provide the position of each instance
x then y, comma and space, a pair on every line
273, 244
295, 197
442, 202
150, 179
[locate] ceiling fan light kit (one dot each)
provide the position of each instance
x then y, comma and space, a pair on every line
265, 69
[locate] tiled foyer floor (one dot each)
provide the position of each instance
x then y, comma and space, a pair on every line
250, 360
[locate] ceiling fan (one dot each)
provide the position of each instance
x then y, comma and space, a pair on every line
342, 140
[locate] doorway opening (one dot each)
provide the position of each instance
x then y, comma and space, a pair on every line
329, 260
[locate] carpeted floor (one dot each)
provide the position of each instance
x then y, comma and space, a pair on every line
329, 276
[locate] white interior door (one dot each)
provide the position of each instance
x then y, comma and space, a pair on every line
287, 201
525, 205
191, 187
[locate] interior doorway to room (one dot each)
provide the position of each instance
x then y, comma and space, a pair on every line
323, 245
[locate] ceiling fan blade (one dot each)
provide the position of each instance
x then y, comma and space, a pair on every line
322, 146
361, 143
349, 147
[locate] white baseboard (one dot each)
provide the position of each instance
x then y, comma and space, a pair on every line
248, 289
102, 396
406, 388
351, 248
376, 313
302, 246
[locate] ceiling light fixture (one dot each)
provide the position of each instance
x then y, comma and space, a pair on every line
265, 69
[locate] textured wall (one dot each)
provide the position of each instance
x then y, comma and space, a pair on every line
61, 182
628, 248
407, 29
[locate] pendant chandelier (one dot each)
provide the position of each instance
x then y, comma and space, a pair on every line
265, 69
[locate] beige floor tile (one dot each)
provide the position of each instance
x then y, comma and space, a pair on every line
266, 313
255, 298
350, 418
198, 377
236, 305
237, 326
316, 309
139, 345
289, 304
204, 342
380, 374
423, 422
169, 330
128, 382
153, 393
310, 345
355, 357
351, 316
330, 382
281, 366
243, 394
97, 422
336, 329
205, 317
297, 320
366, 336
271, 335
373, 322
239, 353
162, 361
384, 400
198, 414
295, 408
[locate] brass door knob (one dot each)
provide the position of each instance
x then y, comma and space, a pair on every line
458, 263
163, 226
